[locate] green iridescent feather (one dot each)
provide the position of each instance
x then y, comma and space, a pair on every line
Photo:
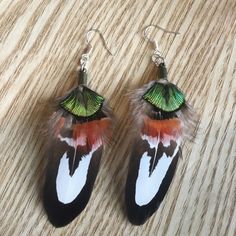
83, 103
165, 96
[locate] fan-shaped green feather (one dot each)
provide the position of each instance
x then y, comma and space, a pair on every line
83, 103
166, 97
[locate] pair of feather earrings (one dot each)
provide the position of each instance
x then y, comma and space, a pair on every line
82, 125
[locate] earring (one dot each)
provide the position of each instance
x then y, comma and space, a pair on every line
78, 129
163, 118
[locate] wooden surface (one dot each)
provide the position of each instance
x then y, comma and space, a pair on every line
40, 44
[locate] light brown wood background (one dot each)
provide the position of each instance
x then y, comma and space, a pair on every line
40, 44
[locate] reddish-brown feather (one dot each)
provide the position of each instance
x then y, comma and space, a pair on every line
94, 130
154, 128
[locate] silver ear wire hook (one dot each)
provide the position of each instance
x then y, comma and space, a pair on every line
101, 35
157, 58
86, 55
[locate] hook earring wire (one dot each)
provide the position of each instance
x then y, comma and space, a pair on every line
88, 39
157, 27
84, 61
157, 58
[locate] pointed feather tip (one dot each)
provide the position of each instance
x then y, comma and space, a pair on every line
59, 214
57, 222
56, 216
137, 220
138, 217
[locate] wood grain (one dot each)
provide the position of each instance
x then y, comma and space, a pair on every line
40, 44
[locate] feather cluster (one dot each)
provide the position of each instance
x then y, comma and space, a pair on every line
78, 130
141, 109
162, 118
